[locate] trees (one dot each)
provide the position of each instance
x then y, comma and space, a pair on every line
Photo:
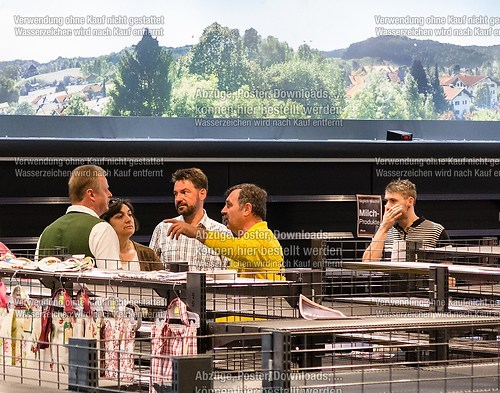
143, 85
492, 69
317, 86
381, 99
418, 73
8, 90
77, 107
413, 101
305, 52
455, 69
251, 44
100, 68
193, 96
12, 72
440, 103
414, 104
272, 51
21, 108
220, 53
378, 99
60, 87
483, 96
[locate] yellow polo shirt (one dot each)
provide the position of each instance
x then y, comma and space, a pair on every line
256, 254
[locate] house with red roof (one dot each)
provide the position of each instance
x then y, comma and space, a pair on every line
459, 98
357, 79
471, 83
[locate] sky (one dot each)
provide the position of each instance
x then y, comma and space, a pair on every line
322, 24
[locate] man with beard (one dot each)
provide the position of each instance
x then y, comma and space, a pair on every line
254, 252
401, 224
190, 192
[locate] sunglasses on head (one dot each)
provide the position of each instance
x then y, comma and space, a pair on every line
112, 201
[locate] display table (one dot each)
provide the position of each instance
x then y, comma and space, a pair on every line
482, 273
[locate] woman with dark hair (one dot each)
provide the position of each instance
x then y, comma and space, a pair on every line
133, 256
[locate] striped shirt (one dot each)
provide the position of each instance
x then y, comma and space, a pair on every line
427, 232
198, 256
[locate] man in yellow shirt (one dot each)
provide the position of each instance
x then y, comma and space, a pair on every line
254, 251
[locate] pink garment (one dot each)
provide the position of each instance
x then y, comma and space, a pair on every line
4, 249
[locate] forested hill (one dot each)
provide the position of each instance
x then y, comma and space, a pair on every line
62, 63
402, 50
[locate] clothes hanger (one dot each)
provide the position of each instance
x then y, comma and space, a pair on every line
173, 313
18, 297
134, 315
112, 305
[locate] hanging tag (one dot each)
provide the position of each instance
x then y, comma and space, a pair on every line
68, 331
60, 300
28, 321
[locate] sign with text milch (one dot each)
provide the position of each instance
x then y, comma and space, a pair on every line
369, 213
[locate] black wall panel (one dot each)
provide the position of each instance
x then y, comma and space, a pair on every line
311, 182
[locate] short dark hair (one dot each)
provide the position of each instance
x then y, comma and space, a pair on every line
253, 194
195, 175
114, 207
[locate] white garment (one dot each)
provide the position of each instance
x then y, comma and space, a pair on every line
191, 251
133, 265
